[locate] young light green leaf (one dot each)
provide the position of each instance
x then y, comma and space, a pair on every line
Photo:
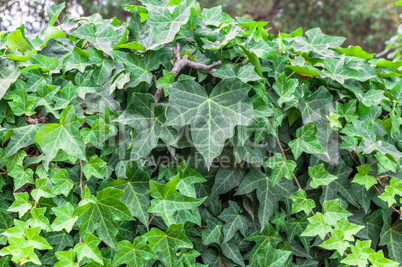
65, 218
134, 254
317, 226
301, 202
320, 176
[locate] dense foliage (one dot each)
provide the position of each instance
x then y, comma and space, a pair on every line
187, 138
367, 23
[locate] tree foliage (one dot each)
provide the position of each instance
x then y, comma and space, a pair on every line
185, 137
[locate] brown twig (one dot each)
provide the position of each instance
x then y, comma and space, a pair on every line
284, 155
61, 28
298, 184
153, 216
185, 62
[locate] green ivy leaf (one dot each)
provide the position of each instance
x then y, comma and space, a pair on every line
167, 201
205, 113
320, 176
168, 243
306, 141
235, 221
134, 254
336, 242
317, 42
65, 136
281, 168
301, 202
101, 212
66, 259
94, 168
89, 249
317, 226
65, 218
363, 177
147, 118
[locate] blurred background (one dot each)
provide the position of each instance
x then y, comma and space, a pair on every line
368, 23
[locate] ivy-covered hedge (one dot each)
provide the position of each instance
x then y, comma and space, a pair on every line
184, 137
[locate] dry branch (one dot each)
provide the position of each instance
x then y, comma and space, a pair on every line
185, 62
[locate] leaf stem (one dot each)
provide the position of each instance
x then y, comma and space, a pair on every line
392, 207
284, 155
153, 216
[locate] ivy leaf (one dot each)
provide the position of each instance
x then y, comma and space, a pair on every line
212, 118
225, 180
21, 203
89, 249
77, 59
21, 137
21, 176
262, 239
46, 63
348, 229
62, 184
6, 222
134, 254
20, 251
102, 36
35, 240
315, 105
267, 194
276, 257
66, 259
65, 218
101, 212
188, 178
360, 253
363, 177
378, 259
22, 105
281, 168
246, 73
9, 73
65, 136
301, 202
168, 243
39, 220
285, 88
336, 242
317, 226
94, 168
54, 11
337, 70
147, 118
306, 141
391, 236
167, 201
317, 42
348, 110
235, 221
189, 258
334, 212
166, 20
140, 67
41, 190
136, 192
320, 176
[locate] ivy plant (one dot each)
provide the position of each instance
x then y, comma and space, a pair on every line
185, 137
